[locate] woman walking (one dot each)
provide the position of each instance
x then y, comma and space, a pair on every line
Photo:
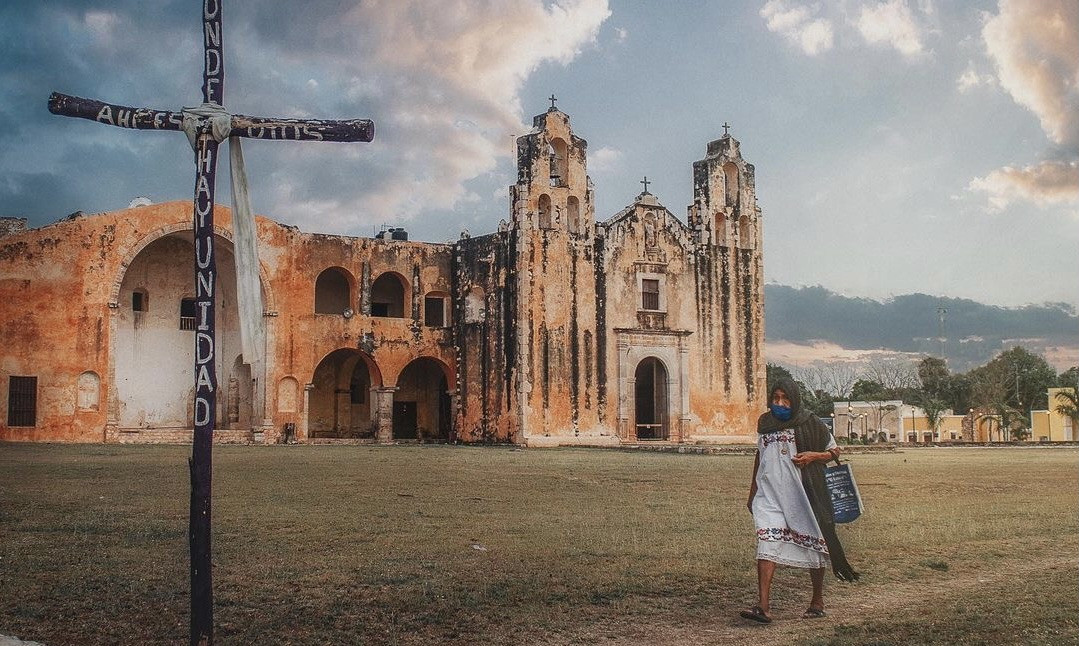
791, 507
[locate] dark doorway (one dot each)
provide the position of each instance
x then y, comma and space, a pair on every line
424, 385
651, 400
404, 420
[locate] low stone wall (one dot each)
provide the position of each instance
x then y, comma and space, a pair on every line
179, 436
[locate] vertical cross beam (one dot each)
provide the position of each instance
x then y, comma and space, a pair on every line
206, 139
201, 464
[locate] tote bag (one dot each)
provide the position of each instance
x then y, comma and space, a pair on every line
843, 490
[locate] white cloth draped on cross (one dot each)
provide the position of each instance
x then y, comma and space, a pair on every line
245, 243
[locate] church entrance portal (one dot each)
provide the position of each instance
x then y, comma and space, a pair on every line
340, 403
651, 400
421, 405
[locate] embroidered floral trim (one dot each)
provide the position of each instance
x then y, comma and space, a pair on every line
778, 436
786, 535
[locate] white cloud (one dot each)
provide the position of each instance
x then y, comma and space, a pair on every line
605, 159
443, 88
1035, 47
621, 34
1045, 184
970, 79
891, 24
797, 24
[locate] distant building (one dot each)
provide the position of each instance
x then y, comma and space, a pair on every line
1049, 425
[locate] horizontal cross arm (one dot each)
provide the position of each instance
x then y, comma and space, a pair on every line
242, 126
303, 129
114, 115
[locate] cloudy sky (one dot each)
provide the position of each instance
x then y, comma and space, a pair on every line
901, 146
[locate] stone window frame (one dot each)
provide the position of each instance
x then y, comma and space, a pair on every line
445, 302
140, 297
661, 279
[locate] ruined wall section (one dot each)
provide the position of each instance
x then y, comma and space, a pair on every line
54, 323
485, 337
729, 289
554, 222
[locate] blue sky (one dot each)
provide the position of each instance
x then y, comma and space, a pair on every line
900, 146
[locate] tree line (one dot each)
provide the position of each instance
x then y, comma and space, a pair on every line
1009, 386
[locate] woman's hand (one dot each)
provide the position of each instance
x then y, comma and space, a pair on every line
805, 458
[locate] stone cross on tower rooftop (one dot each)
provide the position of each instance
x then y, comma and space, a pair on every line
552, 99
206, 126
726, 129
646, 183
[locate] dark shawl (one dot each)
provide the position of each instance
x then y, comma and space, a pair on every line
810, 434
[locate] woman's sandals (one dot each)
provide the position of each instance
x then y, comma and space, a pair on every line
814, 613
756, 613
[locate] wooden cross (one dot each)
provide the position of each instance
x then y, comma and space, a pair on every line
552, 99
645, 182
726, 127
207, 126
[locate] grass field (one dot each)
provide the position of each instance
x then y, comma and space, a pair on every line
467, 545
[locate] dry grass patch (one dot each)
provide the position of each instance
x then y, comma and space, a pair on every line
410, 545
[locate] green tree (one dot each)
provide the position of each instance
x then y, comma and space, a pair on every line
776, 372
934, 413
867, 390
935, 378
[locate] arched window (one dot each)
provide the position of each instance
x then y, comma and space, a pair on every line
730, 182
556, 152
388, 296
89, 393
544, 211
573, 214
288, 390
332, 292
475, 307
745, 233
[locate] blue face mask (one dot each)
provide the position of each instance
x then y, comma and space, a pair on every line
782, 413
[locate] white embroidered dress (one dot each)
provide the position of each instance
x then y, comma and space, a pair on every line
787, 530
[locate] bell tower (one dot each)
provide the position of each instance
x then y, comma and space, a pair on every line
553, 228
727, 222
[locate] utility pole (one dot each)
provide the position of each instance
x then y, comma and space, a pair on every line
942, 312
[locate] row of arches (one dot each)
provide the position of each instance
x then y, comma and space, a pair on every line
348, 398
390, 291
553, 215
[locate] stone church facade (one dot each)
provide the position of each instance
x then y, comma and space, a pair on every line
554, 330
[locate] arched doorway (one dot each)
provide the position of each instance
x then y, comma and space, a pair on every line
651, 400
340, 403
154, 335
421, 404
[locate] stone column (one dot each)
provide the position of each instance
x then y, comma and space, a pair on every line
683, 387
626, 431
382, 412
305, 413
